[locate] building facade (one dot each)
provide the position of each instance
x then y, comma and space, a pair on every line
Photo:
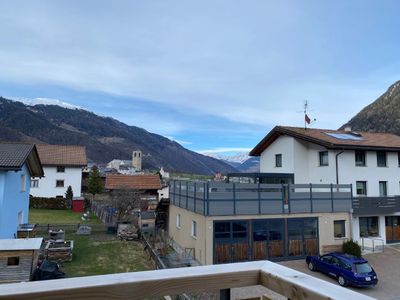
233, 222
62, 167
18, 162
370, 162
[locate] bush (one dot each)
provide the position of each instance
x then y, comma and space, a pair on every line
47, 203
352, 247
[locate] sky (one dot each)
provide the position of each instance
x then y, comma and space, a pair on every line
215, 76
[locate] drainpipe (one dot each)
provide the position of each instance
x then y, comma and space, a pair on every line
337, 166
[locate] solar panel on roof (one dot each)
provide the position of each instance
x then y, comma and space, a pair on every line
344, 136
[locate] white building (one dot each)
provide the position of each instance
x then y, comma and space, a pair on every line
368, 161
62, 167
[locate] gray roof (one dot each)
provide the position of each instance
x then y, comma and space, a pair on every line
14, 155
20, 244
145, 215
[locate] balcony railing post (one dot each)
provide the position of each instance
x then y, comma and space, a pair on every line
208, 199
180, 192
187, 193
311, 199
259, 198
234, 198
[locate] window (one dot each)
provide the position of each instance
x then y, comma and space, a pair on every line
59, 183
339, 228
381, 158
35, 183
278, 160
360, 158
369, 226
23, 182
323, 158
383, 188
13, 261
194, 228
60, 169
361, 188
178, 221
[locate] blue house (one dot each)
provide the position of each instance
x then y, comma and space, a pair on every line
18, 163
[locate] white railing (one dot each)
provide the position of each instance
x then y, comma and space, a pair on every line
371, 244
140, 285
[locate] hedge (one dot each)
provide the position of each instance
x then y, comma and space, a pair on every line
47, 203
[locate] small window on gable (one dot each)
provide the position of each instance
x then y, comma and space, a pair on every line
59, 183
178, 221
278, 160
13, 261
23, 183
323, 158
60, 169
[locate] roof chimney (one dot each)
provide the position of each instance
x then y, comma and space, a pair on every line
347, 128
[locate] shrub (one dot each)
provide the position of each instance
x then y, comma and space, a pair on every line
47, 203
352, 247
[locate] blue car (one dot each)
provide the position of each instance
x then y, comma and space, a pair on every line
347, 269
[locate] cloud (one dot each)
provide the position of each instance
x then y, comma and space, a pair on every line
178, 141
239, 63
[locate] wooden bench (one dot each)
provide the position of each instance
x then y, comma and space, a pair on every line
331, 248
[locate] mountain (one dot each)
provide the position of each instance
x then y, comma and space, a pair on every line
241, 161
105, 138
383, 115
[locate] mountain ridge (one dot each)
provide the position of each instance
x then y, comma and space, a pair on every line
105, 138
382, 115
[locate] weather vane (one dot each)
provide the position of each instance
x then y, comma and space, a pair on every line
307, 120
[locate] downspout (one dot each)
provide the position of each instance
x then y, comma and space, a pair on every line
337, 166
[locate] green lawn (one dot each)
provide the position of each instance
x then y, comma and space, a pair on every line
54, 216
105, 254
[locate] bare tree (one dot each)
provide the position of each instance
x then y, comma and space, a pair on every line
125, 201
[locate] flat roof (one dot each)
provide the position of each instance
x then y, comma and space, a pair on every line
20, 244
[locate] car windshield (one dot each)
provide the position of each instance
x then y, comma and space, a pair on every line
363, 268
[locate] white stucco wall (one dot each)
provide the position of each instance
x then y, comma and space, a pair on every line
47, 184
283, 145
302, 159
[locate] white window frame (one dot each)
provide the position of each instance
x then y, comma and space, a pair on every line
194, 229
178, 221
34, 183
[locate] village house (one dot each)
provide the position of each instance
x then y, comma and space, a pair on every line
147, 185
62, 167
370, 162
18, 163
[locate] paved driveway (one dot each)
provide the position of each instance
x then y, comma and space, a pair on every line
386, 265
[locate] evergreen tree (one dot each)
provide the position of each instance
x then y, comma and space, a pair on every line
69, 195
95, 185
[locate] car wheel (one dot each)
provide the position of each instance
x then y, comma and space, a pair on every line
342, 281
311, 266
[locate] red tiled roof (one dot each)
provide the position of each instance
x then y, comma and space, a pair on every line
55, 155
365, 140
136, 182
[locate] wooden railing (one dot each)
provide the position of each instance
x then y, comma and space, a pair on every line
140, 285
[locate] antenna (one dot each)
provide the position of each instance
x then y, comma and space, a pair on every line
307, 120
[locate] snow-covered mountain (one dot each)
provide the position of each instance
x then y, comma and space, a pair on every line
241, 161
239, 158
45, 101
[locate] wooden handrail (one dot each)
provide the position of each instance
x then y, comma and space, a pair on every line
140, 285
